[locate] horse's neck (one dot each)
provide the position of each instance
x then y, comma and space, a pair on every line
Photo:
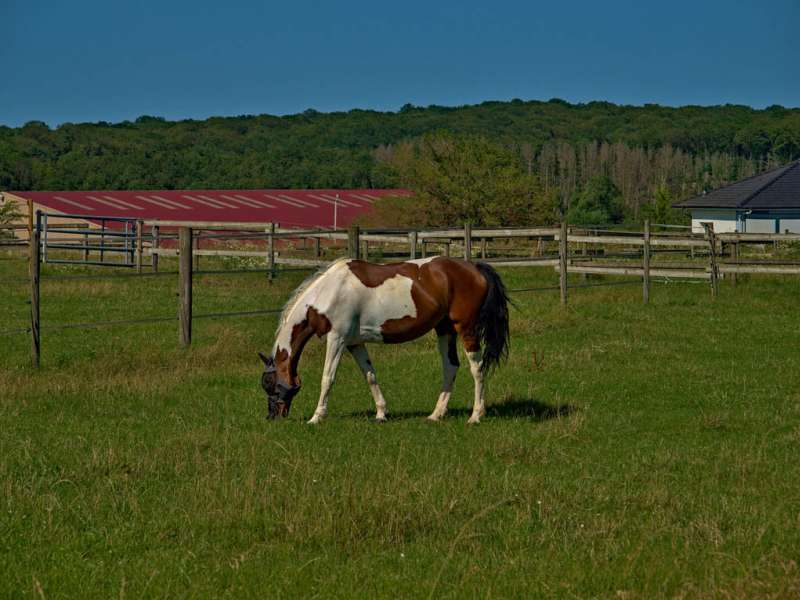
291, 339
289, 320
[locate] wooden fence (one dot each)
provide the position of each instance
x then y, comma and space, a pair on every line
709, 247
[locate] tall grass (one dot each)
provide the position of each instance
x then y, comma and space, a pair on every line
629, 451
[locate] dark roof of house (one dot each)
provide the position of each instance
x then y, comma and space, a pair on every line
778, 188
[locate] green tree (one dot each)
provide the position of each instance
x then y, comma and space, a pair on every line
468, 178
599, 202
660, 209
8, 215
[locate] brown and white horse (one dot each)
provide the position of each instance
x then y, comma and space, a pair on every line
353, 302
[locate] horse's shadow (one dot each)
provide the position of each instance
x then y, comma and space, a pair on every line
511, 408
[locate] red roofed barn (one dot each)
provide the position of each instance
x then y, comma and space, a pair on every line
296, 209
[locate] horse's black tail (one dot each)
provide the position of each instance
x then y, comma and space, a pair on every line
492, 325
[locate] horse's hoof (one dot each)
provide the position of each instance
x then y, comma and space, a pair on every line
473, 421
378, 420
433, 419
313, 421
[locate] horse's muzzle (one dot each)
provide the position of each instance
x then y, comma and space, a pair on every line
278, 408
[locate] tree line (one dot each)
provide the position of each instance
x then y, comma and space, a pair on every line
494, 163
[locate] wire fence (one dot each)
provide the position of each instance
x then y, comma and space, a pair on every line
112, 276
252, 313
578, 261
143, 321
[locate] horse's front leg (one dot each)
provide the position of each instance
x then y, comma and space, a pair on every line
333, 354
361, 356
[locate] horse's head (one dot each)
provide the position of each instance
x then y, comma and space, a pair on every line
279, 393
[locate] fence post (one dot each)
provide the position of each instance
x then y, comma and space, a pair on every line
424, 249
467, 241
139, 246
102, 239
353, 241
562, 262
33, 268
41, 219
646, 263
365, 250
317, 248
30, 220
127, 256
735, 256
271, 252
483, 248
583, 251
85, 247
712, 257
196, 240
185, 285
154, 249
447, 248
412, 244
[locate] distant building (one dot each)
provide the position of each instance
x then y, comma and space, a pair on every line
295, 209
765, 203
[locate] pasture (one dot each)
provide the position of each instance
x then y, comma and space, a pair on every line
628, 451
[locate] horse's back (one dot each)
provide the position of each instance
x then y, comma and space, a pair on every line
408, 299
443, 279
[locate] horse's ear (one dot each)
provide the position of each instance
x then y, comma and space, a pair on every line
267, 360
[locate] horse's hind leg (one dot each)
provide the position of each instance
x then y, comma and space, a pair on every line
361, 356
447, 348
333, 355
475, 358
475, 364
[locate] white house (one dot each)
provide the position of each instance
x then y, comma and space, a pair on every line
765, 203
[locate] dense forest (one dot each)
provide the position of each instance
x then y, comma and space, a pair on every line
497, 162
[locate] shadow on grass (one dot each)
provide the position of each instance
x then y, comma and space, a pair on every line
511, 408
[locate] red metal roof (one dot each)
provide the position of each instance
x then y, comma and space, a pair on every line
289, 208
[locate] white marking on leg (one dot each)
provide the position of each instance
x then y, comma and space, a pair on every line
449, 371
361, 357
475, 362
333, 354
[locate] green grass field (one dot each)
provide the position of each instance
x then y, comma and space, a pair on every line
629, 451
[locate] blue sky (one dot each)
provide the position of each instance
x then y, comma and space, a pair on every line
91, 60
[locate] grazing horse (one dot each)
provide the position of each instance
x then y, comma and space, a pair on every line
354, 302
